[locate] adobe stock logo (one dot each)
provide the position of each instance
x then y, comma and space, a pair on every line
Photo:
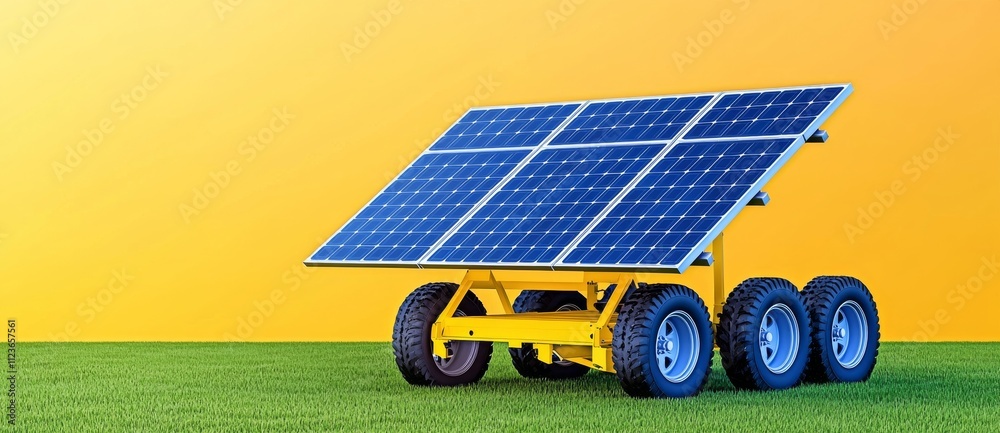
223, 7
899, 17
483, 91
249, 149
367, 32
561, 13
713, 30
122, 107
262, 309
914, 169
31, 26
88, 309
957, 298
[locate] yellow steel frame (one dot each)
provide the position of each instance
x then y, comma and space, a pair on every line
583, 337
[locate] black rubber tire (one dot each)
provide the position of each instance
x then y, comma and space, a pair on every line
525, 359
739, 334
823, 296
634, 352
411, 336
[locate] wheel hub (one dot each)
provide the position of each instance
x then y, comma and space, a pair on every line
779, 338
677, 346
850, 334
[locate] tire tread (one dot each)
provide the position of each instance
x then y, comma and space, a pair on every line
631, 346
417, 311
736, 334
819, 294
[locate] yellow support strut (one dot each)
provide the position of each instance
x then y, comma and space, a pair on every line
583, 337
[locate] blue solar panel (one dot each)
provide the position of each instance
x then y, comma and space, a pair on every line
671, 214
651, 119
407, 218
584, 185
768, 113
545, 205
492, 128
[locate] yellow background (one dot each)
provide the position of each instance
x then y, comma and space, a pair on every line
364, 108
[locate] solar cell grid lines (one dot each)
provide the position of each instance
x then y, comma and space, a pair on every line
545, 205
419, 207
504, 127
633, 120
677, 205
767, 113
641, 183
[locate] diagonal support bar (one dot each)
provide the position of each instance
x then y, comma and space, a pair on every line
622, 286
502, 293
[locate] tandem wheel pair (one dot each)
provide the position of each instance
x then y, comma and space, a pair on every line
770, 335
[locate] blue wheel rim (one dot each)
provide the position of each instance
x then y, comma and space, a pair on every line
677, 346
779, 338
849, 334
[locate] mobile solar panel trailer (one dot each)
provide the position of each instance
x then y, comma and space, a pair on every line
601, 191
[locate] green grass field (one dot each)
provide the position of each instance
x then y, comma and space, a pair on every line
319, 387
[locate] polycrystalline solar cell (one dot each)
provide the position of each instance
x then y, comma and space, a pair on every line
631, 120
767, 113
545, 205
683, 198
419, 207
504, 127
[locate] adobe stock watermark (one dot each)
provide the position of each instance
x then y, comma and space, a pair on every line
263, 308
31, 25
98, 302
713, 30
223, 7
248, 150
366, 33
958, 298
558, 15
899, 17
121, 108
486, 86
912, 170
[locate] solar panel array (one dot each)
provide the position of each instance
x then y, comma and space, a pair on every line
638, 184
679, 202
765, 113
632, 120
504, 127
414, 211
543, 207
